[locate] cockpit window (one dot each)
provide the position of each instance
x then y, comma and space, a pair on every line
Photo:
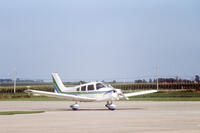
90, 87
83, 88
99, 86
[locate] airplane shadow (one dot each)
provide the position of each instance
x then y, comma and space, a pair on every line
95, 109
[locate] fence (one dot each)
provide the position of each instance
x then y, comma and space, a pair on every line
123, 86
136, 86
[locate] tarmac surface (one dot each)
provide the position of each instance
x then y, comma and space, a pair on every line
130, 117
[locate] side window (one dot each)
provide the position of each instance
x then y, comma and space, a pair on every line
99, 86
90, 87
78, 89
83, 88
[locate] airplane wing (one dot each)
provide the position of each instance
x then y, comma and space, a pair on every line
61, 95
139, 93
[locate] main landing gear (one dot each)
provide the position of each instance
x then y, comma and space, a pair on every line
75, 106
110, 105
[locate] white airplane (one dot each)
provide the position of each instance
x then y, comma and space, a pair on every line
89, 92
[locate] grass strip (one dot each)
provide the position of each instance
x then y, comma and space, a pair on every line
19, 112
33, 98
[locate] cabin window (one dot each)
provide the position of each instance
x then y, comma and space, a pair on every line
99, 86
83, 88
78, 89
90, 87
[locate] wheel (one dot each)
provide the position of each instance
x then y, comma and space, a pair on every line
110, 105
75, 106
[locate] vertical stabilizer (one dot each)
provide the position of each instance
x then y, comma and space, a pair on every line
58, 84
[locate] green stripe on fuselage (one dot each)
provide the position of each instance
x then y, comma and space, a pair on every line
89, 92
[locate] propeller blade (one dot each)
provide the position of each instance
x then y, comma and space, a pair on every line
125, 97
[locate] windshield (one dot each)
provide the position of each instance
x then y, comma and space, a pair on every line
107, 85
99, 86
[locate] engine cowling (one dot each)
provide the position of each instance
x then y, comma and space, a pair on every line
117, 94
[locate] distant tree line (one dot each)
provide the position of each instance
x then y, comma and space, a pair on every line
5, 80
170, 80
20, 80
160, 80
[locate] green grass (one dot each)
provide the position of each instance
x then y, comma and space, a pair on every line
165, 99
168, 96
32, 98
25, 97
19, 112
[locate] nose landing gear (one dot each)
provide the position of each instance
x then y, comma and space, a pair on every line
110, 105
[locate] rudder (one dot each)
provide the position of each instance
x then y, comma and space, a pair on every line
57, 83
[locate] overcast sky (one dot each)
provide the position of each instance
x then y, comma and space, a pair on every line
99, 39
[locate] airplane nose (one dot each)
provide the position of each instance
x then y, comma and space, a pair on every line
115, 96
117, 93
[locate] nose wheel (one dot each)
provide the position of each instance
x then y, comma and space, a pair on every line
75, 106
110, 105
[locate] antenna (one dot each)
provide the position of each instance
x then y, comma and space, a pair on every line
124, 78
14, 80
157, 76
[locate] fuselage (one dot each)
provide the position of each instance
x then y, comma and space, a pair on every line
97, 90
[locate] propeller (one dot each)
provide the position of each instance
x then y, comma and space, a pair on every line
117, 93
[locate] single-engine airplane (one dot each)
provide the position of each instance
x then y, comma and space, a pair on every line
89, 92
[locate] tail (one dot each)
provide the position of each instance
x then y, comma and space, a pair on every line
57, 83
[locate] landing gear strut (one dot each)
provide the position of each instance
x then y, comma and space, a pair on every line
75, 106
110, 105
